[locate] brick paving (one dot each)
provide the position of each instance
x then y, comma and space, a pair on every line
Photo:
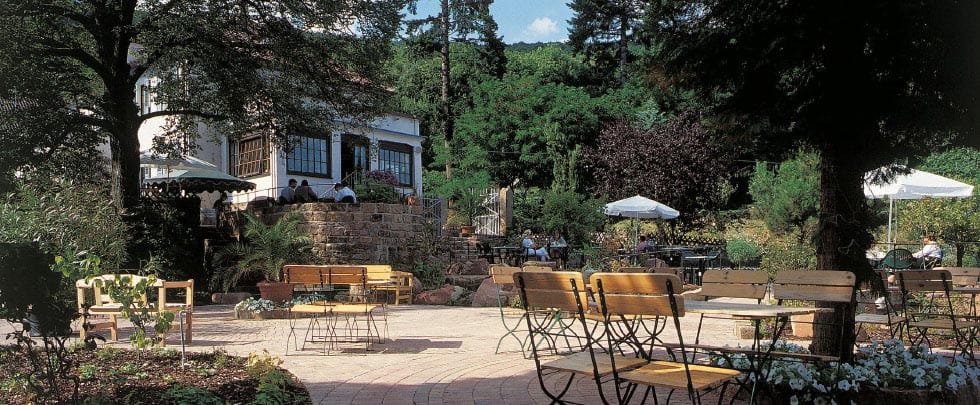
436, 355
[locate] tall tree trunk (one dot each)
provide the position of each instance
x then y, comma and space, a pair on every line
125, 147
841, 242
446, 106
623, 47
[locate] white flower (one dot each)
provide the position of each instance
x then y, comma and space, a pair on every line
796, 384
844, 385
793, 400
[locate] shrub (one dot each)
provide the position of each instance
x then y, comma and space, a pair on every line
182, 394
383, 177
431, 276
741, 251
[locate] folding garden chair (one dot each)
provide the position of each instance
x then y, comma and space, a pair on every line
933, 309
566, 291
503, 277
875, 294
646, 297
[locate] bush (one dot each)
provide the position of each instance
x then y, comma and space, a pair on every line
741, 251
575, 215
374, 191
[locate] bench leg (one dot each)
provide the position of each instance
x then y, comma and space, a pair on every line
113, 327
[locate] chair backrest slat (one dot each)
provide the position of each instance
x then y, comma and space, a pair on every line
637, 293
926, 280
503, 275
666, 270
537, 268
814, 285
345, 275
734, 284
552, 289
963, 276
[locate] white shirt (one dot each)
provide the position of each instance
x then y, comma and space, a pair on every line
930, 249
344, 192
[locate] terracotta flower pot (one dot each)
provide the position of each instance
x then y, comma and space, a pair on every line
275, 291
466, 230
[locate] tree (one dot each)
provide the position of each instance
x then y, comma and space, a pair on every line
954, 219
787, 196
517, 125
245, 67
603, 30
677, 163
864, 84
462, 18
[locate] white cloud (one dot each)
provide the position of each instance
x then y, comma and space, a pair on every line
543, 27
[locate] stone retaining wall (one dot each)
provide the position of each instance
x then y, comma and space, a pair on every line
357, 233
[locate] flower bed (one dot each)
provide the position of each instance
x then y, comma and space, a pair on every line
882, 372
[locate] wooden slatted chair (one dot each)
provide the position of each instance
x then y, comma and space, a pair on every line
935, 287
968, 279
645, 297
876, 294
566, 291
503, 277
748, 284
816, 286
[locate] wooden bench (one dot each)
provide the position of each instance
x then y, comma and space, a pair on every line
94, 300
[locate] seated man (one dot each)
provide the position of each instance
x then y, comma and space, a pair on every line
288, 194
305, 193
533, 249
339, 193
929, 255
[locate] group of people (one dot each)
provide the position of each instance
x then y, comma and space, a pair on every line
304, 193
555, 248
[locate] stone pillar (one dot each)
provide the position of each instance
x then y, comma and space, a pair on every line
507, 208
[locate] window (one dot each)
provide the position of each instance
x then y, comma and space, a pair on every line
310, 157
249, 157
397, 159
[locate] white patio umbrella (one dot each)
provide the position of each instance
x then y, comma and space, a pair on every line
637, 207
915, 185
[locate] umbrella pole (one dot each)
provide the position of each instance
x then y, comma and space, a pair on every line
891, 204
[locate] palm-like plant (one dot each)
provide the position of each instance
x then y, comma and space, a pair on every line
267, 248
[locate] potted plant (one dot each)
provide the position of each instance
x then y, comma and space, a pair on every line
265, 251
467, 208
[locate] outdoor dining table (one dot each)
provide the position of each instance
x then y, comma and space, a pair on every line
759, 355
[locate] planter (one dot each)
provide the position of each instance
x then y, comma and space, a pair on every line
466, 230
275, 291
802, 325
274, 314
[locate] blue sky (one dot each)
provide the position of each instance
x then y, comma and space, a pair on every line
523, 20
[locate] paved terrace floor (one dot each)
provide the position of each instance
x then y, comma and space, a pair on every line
435, 355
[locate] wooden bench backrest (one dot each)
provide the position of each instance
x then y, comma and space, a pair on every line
667, 270
814, 285
536, 269
98, 286
629, 270
637, 293
344, 275
187, 286
503, 275
926, 280
552, 289
734, 284
302, 274
378, 272
963, 276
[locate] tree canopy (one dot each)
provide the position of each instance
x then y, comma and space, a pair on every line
245, 67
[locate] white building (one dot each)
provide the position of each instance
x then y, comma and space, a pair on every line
389, 143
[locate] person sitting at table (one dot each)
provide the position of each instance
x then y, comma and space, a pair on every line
642, 244
558, 248
532, 248
930, 253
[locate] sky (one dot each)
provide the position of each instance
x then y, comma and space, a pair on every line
522, 20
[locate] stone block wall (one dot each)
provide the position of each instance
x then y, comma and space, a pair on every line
366, 233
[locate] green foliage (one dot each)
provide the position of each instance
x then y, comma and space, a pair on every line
786, 252
88, 372
130, 293
63, 215
375, 191
742, 251
788, 196
166, 232
30, 285
466, 193
184, 394
290, 74
267, 248
576, 216
430, 275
